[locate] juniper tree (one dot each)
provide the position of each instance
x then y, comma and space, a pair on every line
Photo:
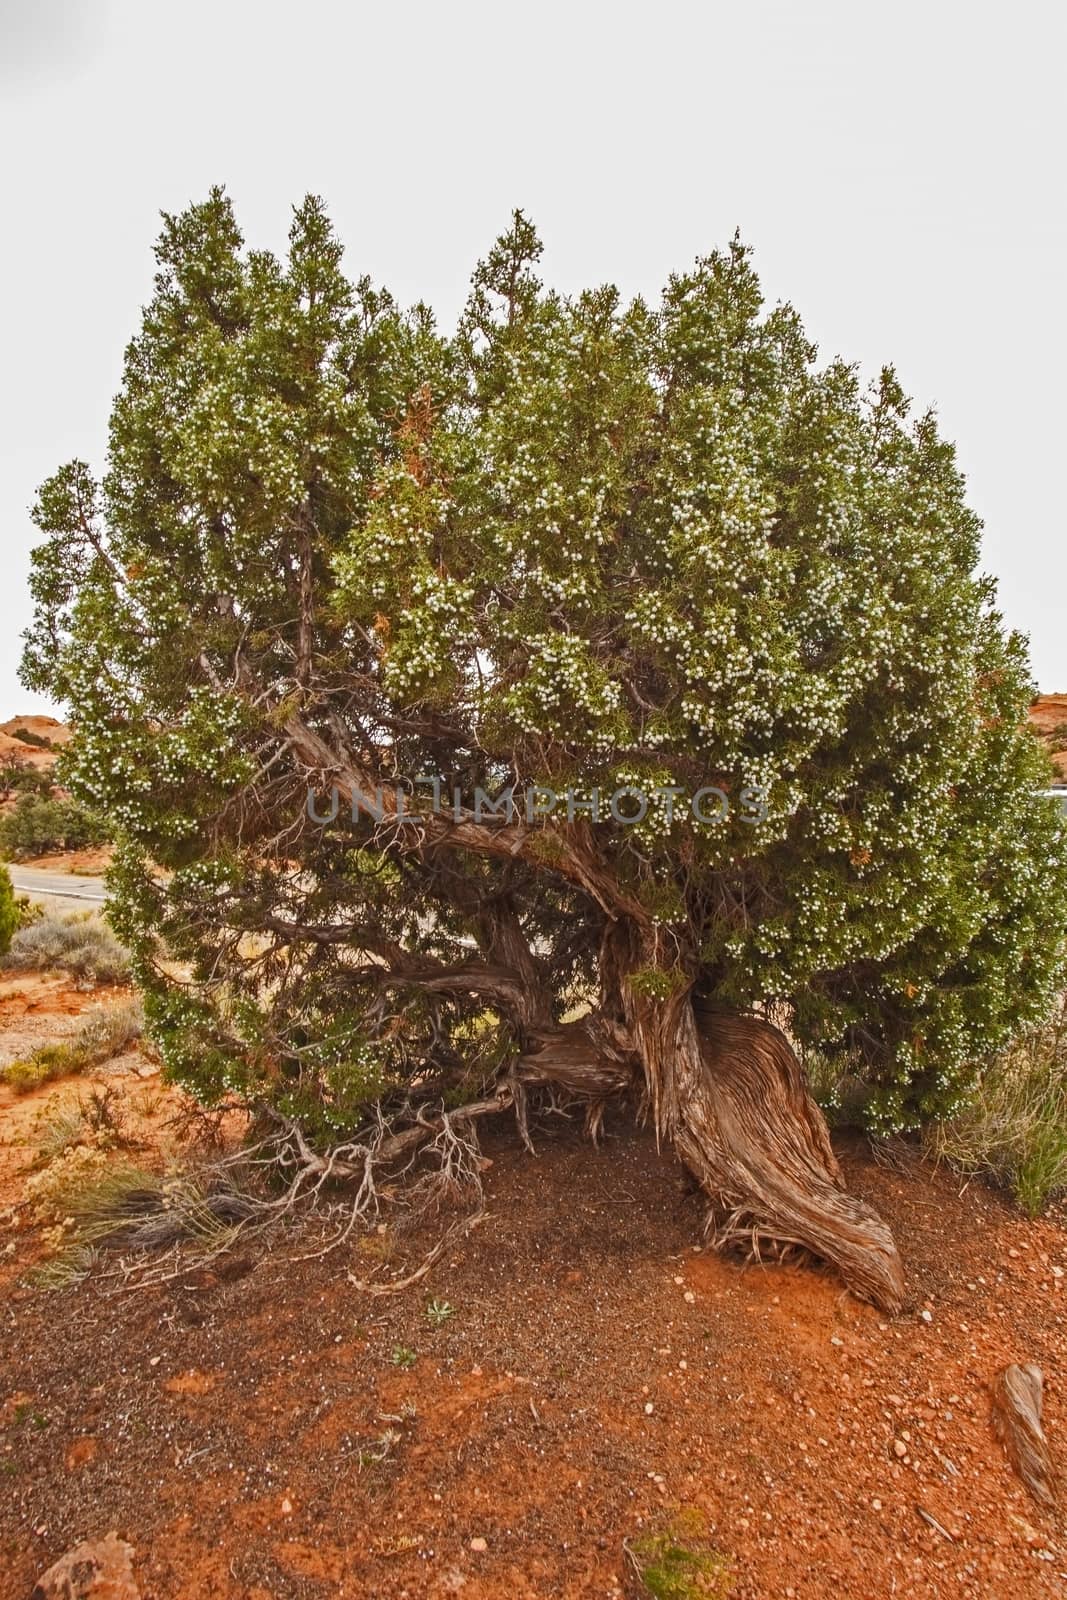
579, 546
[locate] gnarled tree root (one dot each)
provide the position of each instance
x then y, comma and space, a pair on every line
731, 1095
745, 1124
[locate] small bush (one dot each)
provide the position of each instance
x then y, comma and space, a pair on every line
61, 1128
80, 943
29, 912
1013, 1128
37, 740
105, 1033
19, 776
9, 911
39, 825
93, 1203
679, 1563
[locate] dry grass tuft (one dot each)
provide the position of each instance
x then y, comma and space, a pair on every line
1013, 1128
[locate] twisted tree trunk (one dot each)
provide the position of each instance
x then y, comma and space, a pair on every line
729, 1092
749, 1130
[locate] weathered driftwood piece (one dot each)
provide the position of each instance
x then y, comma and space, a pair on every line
96, 1569
1017, 1393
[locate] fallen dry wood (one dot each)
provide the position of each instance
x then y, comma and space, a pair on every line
1017, 1393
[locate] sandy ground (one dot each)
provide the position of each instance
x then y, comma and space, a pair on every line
263, 1430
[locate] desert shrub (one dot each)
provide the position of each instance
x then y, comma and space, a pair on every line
38, 825
91, 1202
18, 776
79, 943
29, 911
1013, 1126
62, 1126
102, 1035
37, 740
9, 911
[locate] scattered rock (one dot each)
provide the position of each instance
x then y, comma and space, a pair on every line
479, 1546
96, 1569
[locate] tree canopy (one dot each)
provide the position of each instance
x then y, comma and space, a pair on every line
577, 545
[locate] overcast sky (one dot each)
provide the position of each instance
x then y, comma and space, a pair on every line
898, 169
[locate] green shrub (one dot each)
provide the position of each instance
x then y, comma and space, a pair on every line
9, 911
103, 1034
37, 740
18, 776
1013, 1127
79, 943
38, 825
29, 911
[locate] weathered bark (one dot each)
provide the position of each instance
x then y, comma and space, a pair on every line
747, 1127
730, 1094
728, 1091
591, 1060
1017, 1396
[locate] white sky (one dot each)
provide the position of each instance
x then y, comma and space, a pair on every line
896, 167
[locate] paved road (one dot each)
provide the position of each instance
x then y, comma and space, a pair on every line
68, 885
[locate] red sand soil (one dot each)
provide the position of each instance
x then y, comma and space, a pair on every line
599, 1374
92, 862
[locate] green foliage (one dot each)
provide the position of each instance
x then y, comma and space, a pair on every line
10, 915
21, 777
39, 825
79, 943
438, 1312
29, 911
679, 1564
36, 740
580, 544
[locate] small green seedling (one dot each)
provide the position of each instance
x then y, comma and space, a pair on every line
438, 1313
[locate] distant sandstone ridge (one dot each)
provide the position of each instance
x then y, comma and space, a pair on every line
1049, 716
56, 733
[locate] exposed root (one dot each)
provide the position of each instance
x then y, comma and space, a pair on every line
158, 1230
398, 1285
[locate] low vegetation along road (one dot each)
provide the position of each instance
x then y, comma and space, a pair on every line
67, 885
